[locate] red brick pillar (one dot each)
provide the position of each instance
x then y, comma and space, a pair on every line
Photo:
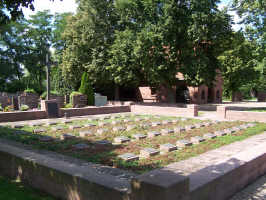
193, 110
221, 111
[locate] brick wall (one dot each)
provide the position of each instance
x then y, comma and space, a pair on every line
261, 96
79, 101
59, 99
29, 99
22, 116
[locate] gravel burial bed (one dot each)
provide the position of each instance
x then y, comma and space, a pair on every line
135, 142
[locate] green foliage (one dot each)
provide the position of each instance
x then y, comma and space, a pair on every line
8, 109
86, 88
74, 93
44, 94
24, 108
69, 105
29, 90
1, 108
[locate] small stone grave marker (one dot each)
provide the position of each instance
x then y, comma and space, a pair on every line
209, 136
174, 121
167, 131
115, 116
148, 152
251, 124
189, 127
105, 117
81, 146
67, 136
89, 125
179, 129
219, 133
128, 157
153, 134
147, 118
130, 127
145, 125
138, 119
68, 121
183, 119
155, 124
36, 124
40, 130
103, 123
102, 142
127, 120
101, 131
17, 126
183, 143
85, 133
236, 129
165, 122
164, 148
207, 123
72, 127
139, 136
46, 139
121, 139
197, 139
57, 128
51, 123
119, 128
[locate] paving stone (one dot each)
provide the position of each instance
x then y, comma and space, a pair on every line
37, 124
119, 128
103, 142
85, 133
17, 126
129, 157
155, 124
67, 136
81, 146
72, 127
153, 134
58, 128
167, 131
139, 136
209, 136
46, 139
164, 148
179, 129
183, 143
101, 131
197, 139
40, 130
219, 133
130, 127
148, 152
121, 139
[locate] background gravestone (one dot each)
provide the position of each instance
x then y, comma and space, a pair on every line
52, 109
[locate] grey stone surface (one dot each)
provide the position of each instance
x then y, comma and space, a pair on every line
139, 136
197, 139
153, 134
183, 143
164, 148
67, 136
121, 139
128, 157
148, 152
85, 133
209, 136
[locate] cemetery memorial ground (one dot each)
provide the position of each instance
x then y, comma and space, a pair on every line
138, 143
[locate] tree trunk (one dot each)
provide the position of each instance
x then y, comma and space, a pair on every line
117, 96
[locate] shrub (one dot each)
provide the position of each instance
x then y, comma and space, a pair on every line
44, 94
1, 108
86, 88
24, 108
8, 109
69, 105
30, 91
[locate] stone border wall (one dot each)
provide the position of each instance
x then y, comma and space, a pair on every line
22, 116
190, 111
225, 112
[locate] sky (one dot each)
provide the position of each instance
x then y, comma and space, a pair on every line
70, 6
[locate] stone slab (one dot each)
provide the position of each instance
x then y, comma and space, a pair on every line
164, 148
73, 127
67, 136
183, 143
119, 128
153, 134
58, 128
148, 152
46, 139
179, 129
128, 157
121, 139
139, 136
167, 131
197, 139
81, 146
101, 131
85, 133
209, 136
39, 130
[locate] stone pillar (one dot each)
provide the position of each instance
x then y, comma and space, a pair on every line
221, 111
193, 110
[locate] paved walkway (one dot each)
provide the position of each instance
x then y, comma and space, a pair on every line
255, 191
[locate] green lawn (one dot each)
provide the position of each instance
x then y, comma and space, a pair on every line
13, 190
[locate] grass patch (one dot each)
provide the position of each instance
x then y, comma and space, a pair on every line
14, 190
257, 110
